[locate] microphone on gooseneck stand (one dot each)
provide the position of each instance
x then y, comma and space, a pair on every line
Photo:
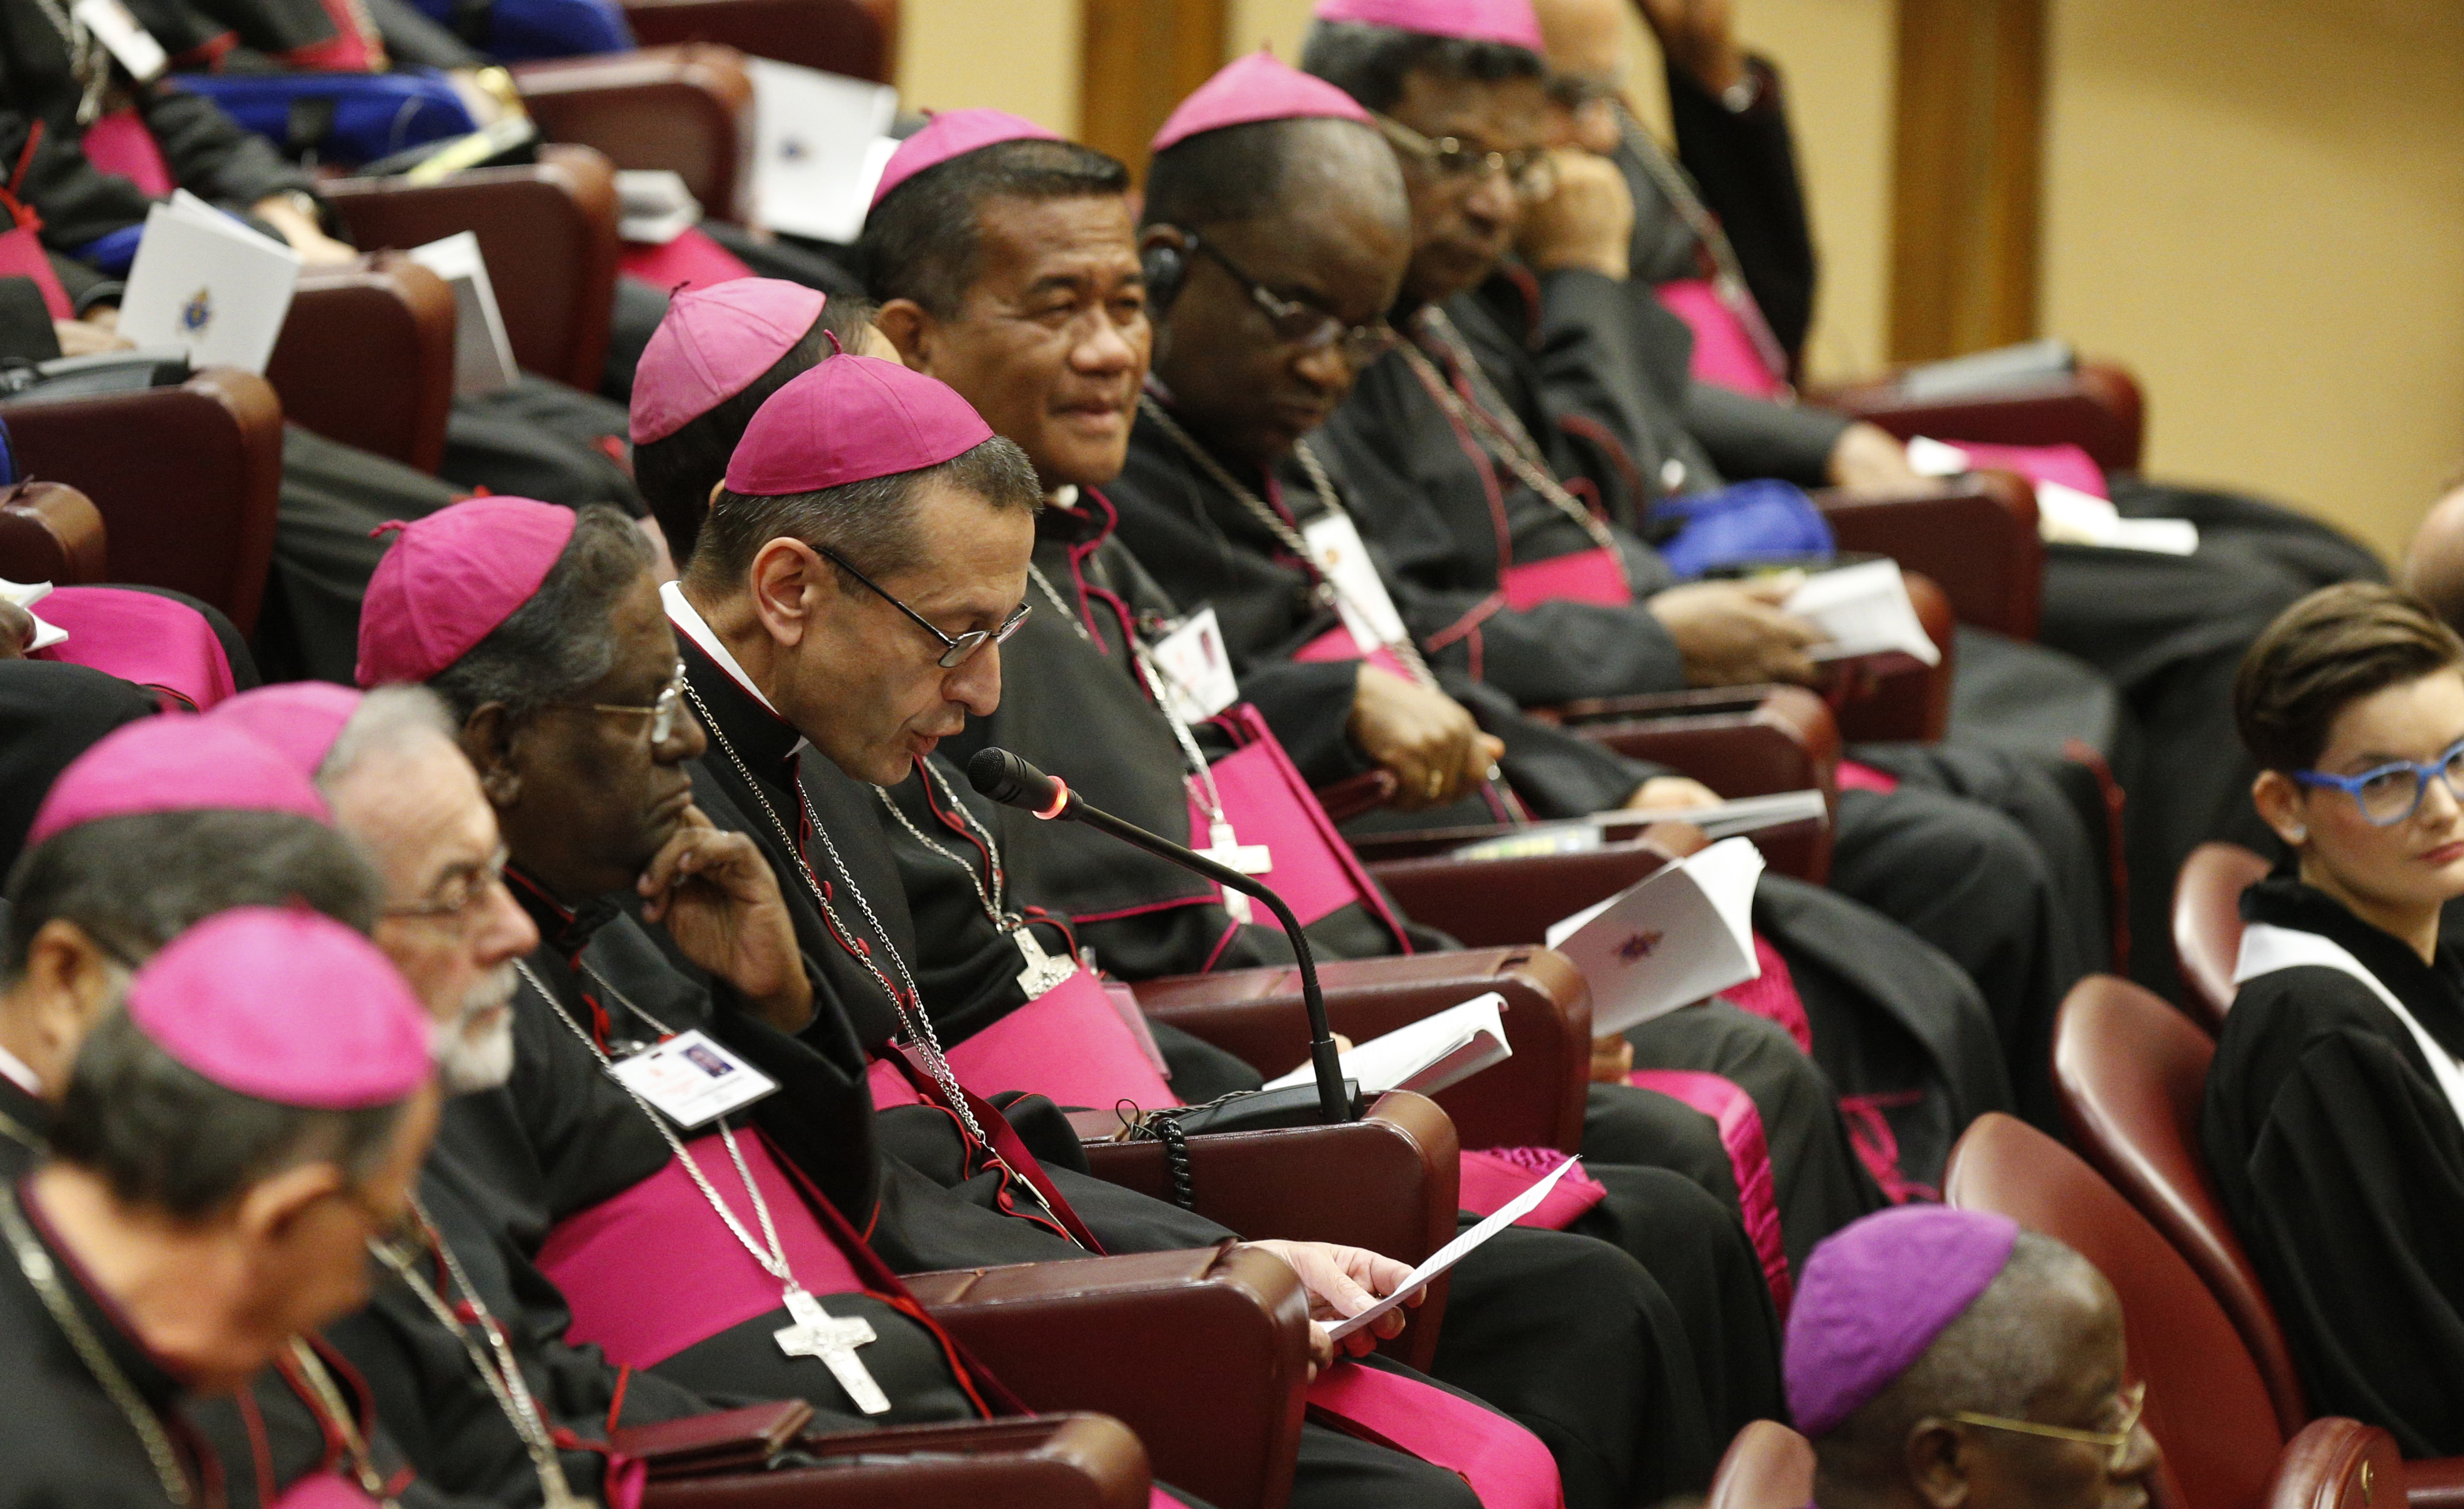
1002, 777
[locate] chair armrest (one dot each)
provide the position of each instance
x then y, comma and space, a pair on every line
367, 359
687, 109
2335, 1463
1534, 1099
1977, 541
548, 233
1311, 1184
51, 532
1493, 904
1355, 795
1062, 1461
1106, 1334
192, 507
2434, 1483
1897, 699
2098, 408
855, 38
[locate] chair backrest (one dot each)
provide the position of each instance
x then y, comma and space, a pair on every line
192, 507
855, 38
2129, 1070
367, 359
548, 233
686, 109
2206, 1405
2207, 924
1767, 1466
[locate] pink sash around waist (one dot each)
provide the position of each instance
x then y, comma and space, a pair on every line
1266, 803
1068, 1044
1854, 775
1585, 576
121, 144
1724, 352
22, 255
1741, 1133
692, 261
1505, 1464
654, 1270
323, 1491
1491, 1177
138, 637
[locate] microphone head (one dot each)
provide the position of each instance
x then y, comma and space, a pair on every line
1004, 777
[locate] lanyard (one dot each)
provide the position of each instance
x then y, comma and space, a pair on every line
1040, 973
336, 1412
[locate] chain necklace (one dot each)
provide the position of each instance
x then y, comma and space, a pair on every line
89, 61
1501, 432
337, 1411
1040, 973
1678, 187
44, 1275
1328, 591
496, 1364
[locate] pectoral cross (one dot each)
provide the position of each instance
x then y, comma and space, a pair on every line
1042, 971
833, 1339
1226, 849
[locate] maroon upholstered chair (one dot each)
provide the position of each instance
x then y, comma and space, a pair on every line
2207, 924
1977, 541
367, 359
2098, 408
50, 532
855, 38
1057, 1461
687, 109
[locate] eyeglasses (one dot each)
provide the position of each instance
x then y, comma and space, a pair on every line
2115, 1443
663, 714
1303, 325
1529, 169
461, 893
2390, 793
955, 652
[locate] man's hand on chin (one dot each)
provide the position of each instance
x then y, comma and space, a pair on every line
718, 898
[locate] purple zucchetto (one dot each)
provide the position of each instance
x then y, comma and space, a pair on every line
450, 578
298, 720
852, 419
1873, 1298
176, 762
1510, 21
1255, 88
711, 347
954, 133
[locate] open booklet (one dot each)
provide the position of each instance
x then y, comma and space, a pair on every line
820, 143
1679, 934
206, 284
1454, 1251
1864, 610
26, 594
1440, 1050
1582, 835
483, 357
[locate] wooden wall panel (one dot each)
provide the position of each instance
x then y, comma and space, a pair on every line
1141, 58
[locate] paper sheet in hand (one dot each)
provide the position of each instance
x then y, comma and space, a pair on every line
1582, 835
208, 285
1865, 610
1677, 935
820, 143
1454, 1251
1442, 1049
483, 358
26, 594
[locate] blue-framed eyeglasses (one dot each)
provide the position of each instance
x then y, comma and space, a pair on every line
2390, 793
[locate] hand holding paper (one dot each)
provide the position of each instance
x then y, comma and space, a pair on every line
1410, 1288
1352, 1286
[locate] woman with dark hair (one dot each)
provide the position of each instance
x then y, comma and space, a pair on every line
2335, 1108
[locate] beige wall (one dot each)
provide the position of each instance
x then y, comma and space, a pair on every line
2258, 204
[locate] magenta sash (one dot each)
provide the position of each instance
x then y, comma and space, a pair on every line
323, 1491
1068, 1044
1773, 996
1268, 803
1491, 1177
654, 1271
1725, 353
121, 144
22, 255
692, 261
2067, 464
1505, 1464
1339, 645
138, 637
1741, 1132
1856, 776
346, 52
890, 1087
1585, 576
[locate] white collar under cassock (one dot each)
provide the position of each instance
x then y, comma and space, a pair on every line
16, 1070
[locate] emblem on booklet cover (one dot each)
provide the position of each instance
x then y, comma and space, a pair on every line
198, 312
1641, 947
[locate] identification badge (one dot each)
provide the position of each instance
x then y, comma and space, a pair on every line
692, 1080
1042, 971
1334, 546
1196, 669
129, 42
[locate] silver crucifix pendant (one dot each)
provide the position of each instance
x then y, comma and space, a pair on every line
833, 1339
1042, 970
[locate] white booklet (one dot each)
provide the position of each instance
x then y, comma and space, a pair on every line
1864, 609
2065, 515
1680, 934
26, 594
1440, 1050
820, 143
1582, 835
208, 285
483, 358
1454, 1251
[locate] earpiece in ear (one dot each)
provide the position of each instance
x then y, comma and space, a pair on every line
2298, 836
1162, 267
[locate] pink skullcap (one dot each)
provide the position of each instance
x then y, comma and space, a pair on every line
451, 578
178, 762
1875, 1296
849, 420
286, 1005
954, 133
1256, 88
711, 345
298, 720
1509, 21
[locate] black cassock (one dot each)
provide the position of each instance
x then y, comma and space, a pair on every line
1068, 672
1570, 1335
2340, 1158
